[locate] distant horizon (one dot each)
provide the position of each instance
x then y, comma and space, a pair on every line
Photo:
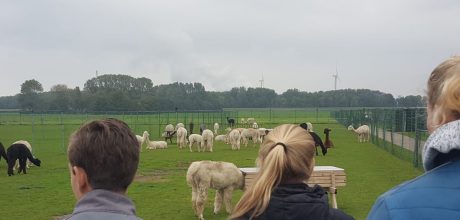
390, 46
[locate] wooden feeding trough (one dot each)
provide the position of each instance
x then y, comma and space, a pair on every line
328, 177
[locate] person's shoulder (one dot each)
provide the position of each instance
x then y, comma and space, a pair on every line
102, 216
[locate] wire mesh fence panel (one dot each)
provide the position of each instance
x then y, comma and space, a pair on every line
400, 131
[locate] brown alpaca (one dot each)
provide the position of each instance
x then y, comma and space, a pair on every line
328, 143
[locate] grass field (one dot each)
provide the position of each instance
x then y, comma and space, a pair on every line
160, 190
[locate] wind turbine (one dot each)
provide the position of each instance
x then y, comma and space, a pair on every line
336, 76
262, 81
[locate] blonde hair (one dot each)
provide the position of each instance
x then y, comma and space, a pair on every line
285, 155
444, 91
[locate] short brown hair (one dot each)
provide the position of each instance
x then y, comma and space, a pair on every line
108, 151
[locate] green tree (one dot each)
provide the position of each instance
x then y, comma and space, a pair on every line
29, 98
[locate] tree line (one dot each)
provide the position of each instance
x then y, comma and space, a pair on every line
125, 93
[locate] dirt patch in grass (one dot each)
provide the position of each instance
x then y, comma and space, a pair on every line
156, 176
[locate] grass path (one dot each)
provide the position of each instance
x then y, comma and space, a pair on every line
160, 190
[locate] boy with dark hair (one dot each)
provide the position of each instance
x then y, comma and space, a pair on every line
103, 159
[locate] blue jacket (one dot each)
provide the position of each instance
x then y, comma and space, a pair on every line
435, 194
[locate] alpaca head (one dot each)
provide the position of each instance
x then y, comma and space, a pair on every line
327, 130
36, 161
350, 128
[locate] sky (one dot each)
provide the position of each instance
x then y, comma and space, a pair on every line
391, 45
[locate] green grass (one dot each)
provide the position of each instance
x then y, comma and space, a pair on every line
162, 192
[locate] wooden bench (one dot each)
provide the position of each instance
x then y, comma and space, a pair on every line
328, 177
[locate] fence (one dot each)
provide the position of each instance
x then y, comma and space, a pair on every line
54, 128
400, 131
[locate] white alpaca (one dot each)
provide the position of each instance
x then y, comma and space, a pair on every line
222, 138
195, 138
255, 125
363, 132
208, 140
235, 138
250, 133
181, 137
250, 121
142, 139
224, 177
179, 125
152, 145
169, 128
243, 121
28, 164
216, 128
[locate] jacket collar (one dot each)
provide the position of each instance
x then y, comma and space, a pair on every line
100, 200
441, 141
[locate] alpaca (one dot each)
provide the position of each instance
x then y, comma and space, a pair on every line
316, 138
29, 146
181, 137
327, 142
195, 138
152, 145
243, 121
250, 133
179, 125
224, 177
231, 122
202, 128
235, 138
141, 139
363, 132
3, 153
216, 128
208, 140
169, 136
21, 152
221, 137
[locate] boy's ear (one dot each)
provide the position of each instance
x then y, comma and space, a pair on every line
81, 178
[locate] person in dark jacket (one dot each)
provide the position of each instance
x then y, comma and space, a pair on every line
285, 161
436, 193
103, 159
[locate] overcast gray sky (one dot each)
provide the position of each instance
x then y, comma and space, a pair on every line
390, 45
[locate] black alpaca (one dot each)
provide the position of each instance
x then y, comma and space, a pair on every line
231, 122
3, 153
19, 152
327, 142
169, 135
317, 139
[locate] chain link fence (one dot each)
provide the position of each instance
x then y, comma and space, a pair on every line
400, 131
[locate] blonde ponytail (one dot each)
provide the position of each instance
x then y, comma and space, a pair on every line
285, 155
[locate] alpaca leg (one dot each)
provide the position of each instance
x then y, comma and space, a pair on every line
194, 196
218, 200
22, 166
211, 143
11, 164
228, 199
201, 200
316, 148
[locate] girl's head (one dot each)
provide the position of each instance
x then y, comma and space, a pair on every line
289, 150
443, 93
285, 156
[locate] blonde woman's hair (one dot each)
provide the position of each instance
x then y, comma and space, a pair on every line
286, 155
444, 91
